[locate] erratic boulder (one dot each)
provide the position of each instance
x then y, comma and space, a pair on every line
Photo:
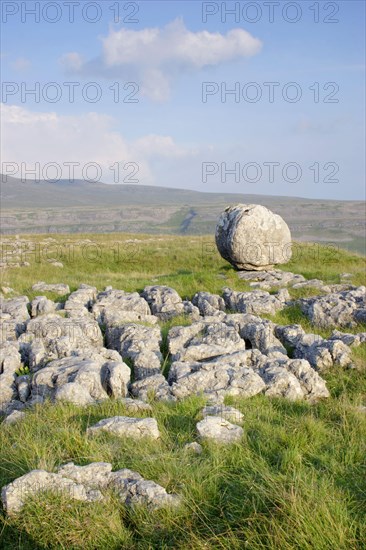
251, 237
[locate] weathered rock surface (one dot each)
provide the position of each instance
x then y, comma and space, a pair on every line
87, 379
218, 354
86, 483
114, 307
125, 426
51, 337
166, 303
203, 341
58, 288
208, 304
223, 411
269, 279
320, 353
42, 305
343, 309
193, 447
14, 494
14, 417
140, 344
80, 302
256, 302
251, 237
133, 490
220, 430
14, 316
9, 364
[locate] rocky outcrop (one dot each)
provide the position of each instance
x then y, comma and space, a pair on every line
230, 349
87, 484
342, 309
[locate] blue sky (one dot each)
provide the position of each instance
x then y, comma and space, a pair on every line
166, 54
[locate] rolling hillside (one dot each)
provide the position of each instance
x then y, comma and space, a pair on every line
85, 207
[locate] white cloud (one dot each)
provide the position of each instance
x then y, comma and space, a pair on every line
21, 64
72, 61
48, 137
156, 55
176, 44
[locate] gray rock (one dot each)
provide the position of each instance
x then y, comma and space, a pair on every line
116, 378
58, 288
13, 317
193, 447
336, 309
141, 344
97, 376
259, 333
14, 494
134, 490
125, 426
225, 375
266, 280
353, 340
152, 387
251, 237
79, 303
51, 337
219, 430
135, 405
255, 302
203, 341
14, 416
166, 303
281, 383
208, 304
96, 475
320, 353
75, 393
113, 301
9, 364
42, 305
23, 385
224, 411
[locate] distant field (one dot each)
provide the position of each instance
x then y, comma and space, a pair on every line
97, 208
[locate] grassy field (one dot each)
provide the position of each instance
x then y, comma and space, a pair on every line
296, 481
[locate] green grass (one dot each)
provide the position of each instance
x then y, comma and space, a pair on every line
296, 480
188, 264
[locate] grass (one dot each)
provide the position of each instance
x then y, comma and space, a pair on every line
295, 481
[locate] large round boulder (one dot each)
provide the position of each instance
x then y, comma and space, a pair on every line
251, 237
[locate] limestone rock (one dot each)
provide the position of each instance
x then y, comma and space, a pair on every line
224, 411
166, 303
193, 447
15, 494
255, 302
125, 426
58, 288
251, 237
220, 430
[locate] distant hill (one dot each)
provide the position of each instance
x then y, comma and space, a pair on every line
81, 206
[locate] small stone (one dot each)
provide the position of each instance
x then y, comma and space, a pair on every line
13, 417
217, 429
124, 426
193, 447
223, 411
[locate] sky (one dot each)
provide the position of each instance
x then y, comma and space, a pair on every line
237, 97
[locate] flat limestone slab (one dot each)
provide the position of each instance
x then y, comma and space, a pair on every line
124, 426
